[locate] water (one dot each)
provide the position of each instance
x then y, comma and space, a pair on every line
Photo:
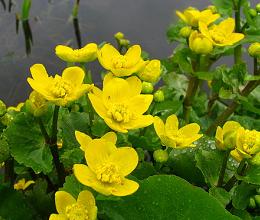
143, 22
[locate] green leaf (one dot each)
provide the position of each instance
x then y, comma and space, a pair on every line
242, 194
26, 9
252, 175
4, 150
167, 107
204, 75
224, 6
182, 59
13, 205
173, 32
27, 144
166, 197
221, 195
73, 156
144, 170
99, 127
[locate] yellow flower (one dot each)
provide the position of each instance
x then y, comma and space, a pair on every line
254, 50
192, 16
221, 34
151, 72
22, 184
199, 43
172, 136
59, 89
226, 136
247, 144
121, 65
17, 108
84, 139
86, 54
120, 103
107, 168
71, 209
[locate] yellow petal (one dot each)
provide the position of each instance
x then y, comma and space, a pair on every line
87, 199
134, 54
237, 156
140, 122
172, 124
65, 53
128, 187
190, 129
234, 38
98, 105
40, 88
230, 126
135, 85
140, 103
227, 26
39, 72
98, 152
84, 174
167, 141
73, 75
57, 217
204, 30
189, 140
126, 159
219, 135
62, 200
110, 136
181, 16
120, 72
28, 183
107, 78
106, 54
115, 125
159, 126
83, 139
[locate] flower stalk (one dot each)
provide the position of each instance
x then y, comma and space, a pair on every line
223, 168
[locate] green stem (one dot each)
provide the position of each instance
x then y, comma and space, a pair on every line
9, 171
44, 132
238, 49
90, 111
54, 148
223, 168
232, 181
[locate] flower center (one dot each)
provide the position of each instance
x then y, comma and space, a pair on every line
60, 88
120, 61
77, 211
217, 36
119, 112
109, 173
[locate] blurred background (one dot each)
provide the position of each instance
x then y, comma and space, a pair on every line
50, 23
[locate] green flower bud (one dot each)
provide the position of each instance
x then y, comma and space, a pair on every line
185, 31
257, 7
158, 96
119, 35
36, 104
160, 156
147, 88
75, 108
252, 12
6, 119
252, 203
254, 50
124, 42
257, 200
199, 43
2, 108
213, 8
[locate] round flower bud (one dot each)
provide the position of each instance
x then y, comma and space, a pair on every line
199, 43
160, 156
147, 88
185, 31
213, 8
151, 72
6, 119
254, 50
2, 108
158, 96
36, 104
124, 42
257, 7
257, 200
119, 35
252, 12
252, 203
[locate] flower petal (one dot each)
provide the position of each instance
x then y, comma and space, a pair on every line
115, 125
83, 139
57, 217
110, 136
133, 54
62, 200
234, 38
106, 54
87, 199
190, 129
135, 85
73, 75
159, 126
126, 159
172, 124
38, 72
227, 26
127, 188
140, 103
140, 122
98, 152
84, 174
98, 105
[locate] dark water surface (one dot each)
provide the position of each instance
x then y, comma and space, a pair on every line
143, 22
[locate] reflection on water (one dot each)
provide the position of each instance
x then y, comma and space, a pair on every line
51, 23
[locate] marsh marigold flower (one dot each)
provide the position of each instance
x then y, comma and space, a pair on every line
85, 54
120, 103
107, 168
172, 136
22, 184
151, 72
247, 144
226, 136
192, 16
59, 89
84, 139
199, 43
70, 208
221, 34
121, 65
